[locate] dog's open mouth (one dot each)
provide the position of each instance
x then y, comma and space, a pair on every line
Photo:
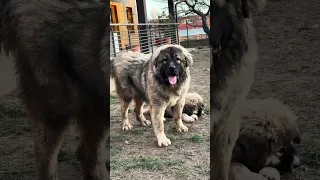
172, 80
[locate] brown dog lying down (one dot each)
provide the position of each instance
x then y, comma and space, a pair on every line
265, 147
192, 109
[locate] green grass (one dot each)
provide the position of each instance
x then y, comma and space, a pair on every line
113, 99
172, 136
120, 137
181, 173
147, 163
206, 110
141, 162
13, 120
312, 156
196, 138
175, 162
11, 111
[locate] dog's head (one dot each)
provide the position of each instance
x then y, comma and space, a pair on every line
193, 104
267, 136
285, 159
227, 19
171, 63
200, 109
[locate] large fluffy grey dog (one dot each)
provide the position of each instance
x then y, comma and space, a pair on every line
234, 55
162, 79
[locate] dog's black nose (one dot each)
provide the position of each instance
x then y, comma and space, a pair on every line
172, 67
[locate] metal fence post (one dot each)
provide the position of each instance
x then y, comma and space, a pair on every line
177, 33
188, 34
150, 34
114, 46
129, 38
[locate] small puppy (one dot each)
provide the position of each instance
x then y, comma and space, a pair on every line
192, 110
267, 138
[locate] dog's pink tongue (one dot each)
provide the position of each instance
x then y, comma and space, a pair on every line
172, 79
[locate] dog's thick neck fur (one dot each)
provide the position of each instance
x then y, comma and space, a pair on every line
233, 44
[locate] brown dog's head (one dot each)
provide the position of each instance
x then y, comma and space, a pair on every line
288, 159
194, 104
171, 63
267, 136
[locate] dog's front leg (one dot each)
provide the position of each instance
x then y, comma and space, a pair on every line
177, 116
224, 133
157, 116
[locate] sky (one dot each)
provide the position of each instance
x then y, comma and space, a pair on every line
155, 7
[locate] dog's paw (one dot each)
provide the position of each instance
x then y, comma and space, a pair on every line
163, 141
182, 128
195, 117
126, 126
187, 119
145, 123
270, 173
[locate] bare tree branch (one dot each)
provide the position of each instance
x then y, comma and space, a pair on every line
201, 14
192, 25
198, 7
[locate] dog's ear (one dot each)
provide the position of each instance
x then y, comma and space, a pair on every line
156, 62
188, 57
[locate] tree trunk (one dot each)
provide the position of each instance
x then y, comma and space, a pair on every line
205, 25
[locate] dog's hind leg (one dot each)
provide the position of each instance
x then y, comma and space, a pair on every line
124, 114
48, 130
94, 127
138, 109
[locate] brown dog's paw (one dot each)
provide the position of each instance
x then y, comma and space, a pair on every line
126, 126
182, 128
145, 122
270, 173
163, 141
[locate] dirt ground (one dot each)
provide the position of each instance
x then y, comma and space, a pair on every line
289, 40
